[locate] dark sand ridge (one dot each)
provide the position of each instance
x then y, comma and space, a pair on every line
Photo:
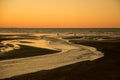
105, 68
26, 51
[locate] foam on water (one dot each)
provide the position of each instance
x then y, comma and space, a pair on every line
8, 46
70, 54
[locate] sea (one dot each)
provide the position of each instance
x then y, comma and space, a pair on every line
17, 65
97, 31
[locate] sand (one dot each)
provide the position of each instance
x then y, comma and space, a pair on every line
70, 54
105, 68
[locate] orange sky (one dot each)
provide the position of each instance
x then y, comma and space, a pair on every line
59, 13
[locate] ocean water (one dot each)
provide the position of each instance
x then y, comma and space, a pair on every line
115, 31
69, 54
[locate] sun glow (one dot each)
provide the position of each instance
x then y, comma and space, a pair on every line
59, 13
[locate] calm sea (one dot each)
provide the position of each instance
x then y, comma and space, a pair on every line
62, 30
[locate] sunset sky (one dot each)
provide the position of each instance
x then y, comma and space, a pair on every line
59, 13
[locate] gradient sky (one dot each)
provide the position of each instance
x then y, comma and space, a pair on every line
59, 13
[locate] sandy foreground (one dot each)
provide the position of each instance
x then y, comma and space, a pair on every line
69, 54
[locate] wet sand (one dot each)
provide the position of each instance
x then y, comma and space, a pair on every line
26, 51
70, 54
105, 68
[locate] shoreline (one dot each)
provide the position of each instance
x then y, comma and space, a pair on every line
87, 70
38, 63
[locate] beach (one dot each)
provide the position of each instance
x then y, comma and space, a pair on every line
105, 67
59, 39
